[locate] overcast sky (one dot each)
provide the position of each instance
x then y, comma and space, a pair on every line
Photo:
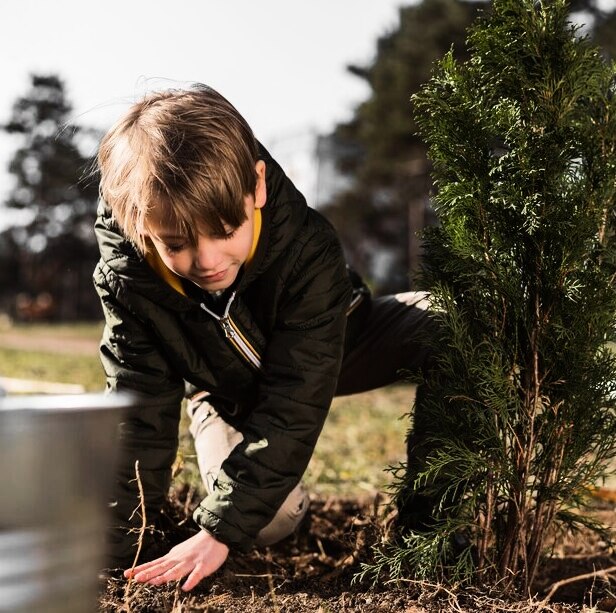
280, 62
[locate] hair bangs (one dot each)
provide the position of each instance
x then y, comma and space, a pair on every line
188, 157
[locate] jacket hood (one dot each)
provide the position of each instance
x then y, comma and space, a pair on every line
283, 215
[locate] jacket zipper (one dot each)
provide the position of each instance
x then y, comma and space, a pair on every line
356, 300
239, 341
232, 332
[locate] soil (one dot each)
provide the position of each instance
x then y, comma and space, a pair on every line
313, 571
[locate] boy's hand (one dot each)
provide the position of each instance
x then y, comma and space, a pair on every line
197, 557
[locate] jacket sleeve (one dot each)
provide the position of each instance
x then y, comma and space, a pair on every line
148, 432
301, 368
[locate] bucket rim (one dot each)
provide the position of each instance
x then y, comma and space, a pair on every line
67, 402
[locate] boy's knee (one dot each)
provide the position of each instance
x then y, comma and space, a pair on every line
214, 439
199, 410
419, 300
287, 519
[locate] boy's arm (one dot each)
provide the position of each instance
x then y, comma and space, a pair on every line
301, 368
149, 430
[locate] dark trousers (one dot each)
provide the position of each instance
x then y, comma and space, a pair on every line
386, 344
389, 344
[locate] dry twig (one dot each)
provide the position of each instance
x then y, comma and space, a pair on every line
142, 529
592, 575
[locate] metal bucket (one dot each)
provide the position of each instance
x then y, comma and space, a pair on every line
57, 459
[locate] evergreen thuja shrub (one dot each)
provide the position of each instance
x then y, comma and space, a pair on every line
521, 271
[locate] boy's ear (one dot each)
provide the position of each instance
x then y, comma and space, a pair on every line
261, 189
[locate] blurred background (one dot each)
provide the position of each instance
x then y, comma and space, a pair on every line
325, 84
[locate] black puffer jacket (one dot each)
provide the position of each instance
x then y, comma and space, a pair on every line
289, 306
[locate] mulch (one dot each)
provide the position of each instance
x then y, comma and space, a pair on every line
315, 571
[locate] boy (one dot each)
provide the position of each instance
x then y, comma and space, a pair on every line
219, 284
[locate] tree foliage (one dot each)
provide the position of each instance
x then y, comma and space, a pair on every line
521, 269
54, 234
378, 217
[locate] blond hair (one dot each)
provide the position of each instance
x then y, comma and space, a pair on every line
187, 152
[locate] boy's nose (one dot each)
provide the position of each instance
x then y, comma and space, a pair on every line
207, 256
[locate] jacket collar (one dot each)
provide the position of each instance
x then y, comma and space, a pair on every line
283, 215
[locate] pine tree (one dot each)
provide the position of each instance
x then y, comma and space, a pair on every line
56, 242
521, 270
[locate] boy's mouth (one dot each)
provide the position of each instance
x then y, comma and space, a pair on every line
217, 276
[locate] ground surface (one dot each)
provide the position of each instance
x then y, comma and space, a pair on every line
314, 572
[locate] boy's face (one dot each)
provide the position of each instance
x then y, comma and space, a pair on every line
214, 263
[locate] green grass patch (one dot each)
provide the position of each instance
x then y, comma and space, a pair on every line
57, 367
62, 331
363, 434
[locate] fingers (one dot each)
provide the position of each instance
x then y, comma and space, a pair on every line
173, 574
163, 573
150, 570
131, 572
193, 579
195, 558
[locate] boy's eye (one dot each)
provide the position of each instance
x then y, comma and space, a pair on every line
175, 248
225, 236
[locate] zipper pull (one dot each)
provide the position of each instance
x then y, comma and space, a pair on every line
227, 328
